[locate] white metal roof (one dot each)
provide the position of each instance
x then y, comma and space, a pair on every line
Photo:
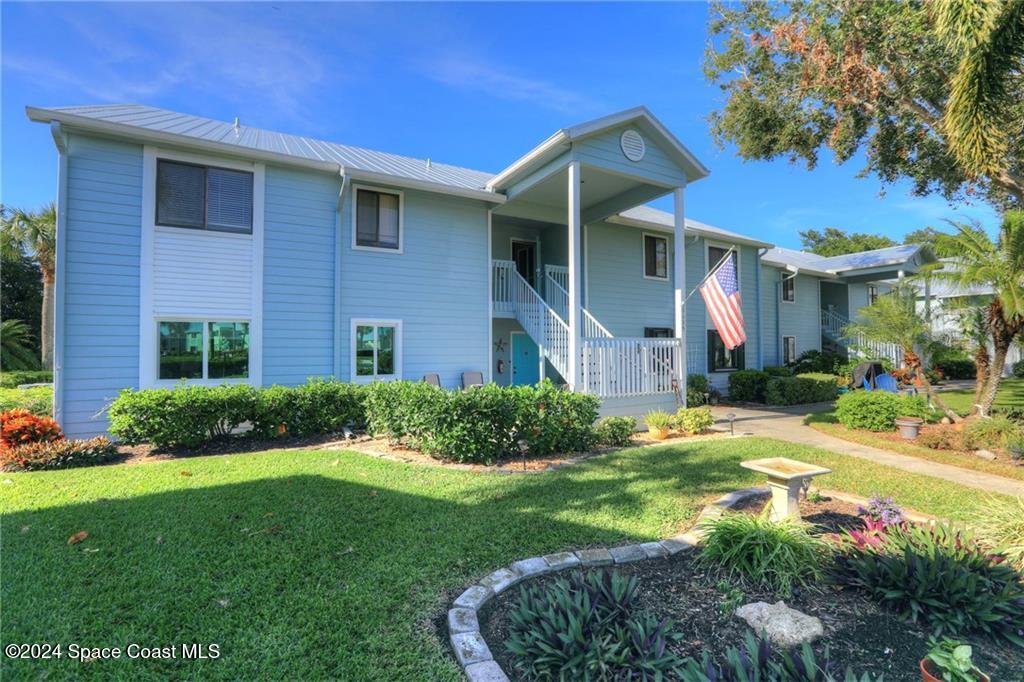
653, 217
838, 265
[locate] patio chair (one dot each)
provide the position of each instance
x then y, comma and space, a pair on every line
886, 382
471, 379
433, 379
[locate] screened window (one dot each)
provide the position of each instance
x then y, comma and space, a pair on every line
717, 253
720, 359
655, 257
659, 333
203, 350
872, 294
203, 197
788, 288
376, 350
788, 350
378, 223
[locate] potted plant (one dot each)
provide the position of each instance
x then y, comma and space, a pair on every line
659, 424
909, 426
950, 661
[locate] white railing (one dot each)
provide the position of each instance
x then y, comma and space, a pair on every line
833, 324
557, 274
629, 367
558, 298
541, 322
502, 285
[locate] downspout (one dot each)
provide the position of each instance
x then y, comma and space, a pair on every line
60, 140
760, 330
338, 248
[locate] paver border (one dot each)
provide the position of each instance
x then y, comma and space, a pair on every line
471, 650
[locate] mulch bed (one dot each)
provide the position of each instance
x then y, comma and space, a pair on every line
859, 633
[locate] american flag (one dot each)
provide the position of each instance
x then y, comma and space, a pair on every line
721, 293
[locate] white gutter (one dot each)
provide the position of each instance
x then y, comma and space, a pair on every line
539, 152
60, 141
689, 229
135, 134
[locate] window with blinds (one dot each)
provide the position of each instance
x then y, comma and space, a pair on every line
378, 222
203, 197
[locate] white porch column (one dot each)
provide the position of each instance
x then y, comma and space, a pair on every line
575, 276
679, 275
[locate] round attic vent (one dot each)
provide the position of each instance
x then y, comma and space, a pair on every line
632, 145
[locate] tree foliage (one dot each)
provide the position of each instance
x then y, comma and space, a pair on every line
862, 79
16, 352
835, 242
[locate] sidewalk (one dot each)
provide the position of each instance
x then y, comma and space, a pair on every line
787, 424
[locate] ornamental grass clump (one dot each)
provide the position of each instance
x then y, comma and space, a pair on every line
588, 626
1001, 526
776, 555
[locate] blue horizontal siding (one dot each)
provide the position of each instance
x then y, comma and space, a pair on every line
101, 315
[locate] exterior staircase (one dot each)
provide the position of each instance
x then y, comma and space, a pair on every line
609, 367
857, 346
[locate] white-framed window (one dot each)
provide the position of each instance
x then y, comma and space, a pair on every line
655, 256
203, 197
788, 288
788, 350
377, 219
872, 294
203, 350
376, 350
722, 360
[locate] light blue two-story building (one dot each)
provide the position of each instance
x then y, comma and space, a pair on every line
189, 248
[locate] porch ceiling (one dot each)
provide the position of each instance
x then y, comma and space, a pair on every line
602, 194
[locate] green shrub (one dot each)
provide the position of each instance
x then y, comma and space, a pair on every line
939, 576
550, 419
780, 371
776, 555
38, 400
696, 387
588, 627
818, 361
694, 419
659, 419
747, 385
318, 406
957, 369
803, 388
32, 376
990, 433
1001, 526
57, 454
184, 415
877, 410
941, 437
1018, 369
615, 432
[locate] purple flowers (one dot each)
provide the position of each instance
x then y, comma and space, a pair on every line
882, 510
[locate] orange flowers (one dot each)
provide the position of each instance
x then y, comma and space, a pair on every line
21, 427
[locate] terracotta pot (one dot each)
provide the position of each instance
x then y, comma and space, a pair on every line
909, 427
927, 674
658, 434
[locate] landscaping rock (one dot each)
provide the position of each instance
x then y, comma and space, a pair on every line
562, 560
528, 568
462, 620
488, 671
473, 598
654, 550
500, 580
785, 627
623, 555
471, 648
595, 557
985, 454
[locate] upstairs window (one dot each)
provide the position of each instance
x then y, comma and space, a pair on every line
872, 294
203, 197
788, 288
378, 220
655, 257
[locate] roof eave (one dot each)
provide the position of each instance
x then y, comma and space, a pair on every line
688, 229
545, 151
135, 134
801, 269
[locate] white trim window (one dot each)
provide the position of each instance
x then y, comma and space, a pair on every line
788, 288
376, 350
788, 350
203, 197
872, 294
377, 219
203, 350
655, 256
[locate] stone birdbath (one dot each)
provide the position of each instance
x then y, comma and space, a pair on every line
785, 479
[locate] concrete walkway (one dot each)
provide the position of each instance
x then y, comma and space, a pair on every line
787, 424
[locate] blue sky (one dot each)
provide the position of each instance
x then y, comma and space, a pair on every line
475, 85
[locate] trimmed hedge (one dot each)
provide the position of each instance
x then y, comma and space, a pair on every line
957, 369
747, 385
38, 400
615, 432
803, 388
479, 425
1018, 369
778, 371
878, 410
32, 376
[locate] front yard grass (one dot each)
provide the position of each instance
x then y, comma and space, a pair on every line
317, 564
1010, 395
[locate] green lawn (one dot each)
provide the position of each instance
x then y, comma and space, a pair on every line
305, 565
1011, 394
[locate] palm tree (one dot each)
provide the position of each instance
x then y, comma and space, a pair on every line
988, 37
999, 267
15, 347
34, 232
893, 318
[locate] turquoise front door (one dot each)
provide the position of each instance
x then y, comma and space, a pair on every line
525, 360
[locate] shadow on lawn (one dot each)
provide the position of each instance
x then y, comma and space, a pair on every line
314, 575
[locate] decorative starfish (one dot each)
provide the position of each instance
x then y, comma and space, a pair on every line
499, 346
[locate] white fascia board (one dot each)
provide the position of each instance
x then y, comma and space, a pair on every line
546, 150
689, 229
135, 134
801, 269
